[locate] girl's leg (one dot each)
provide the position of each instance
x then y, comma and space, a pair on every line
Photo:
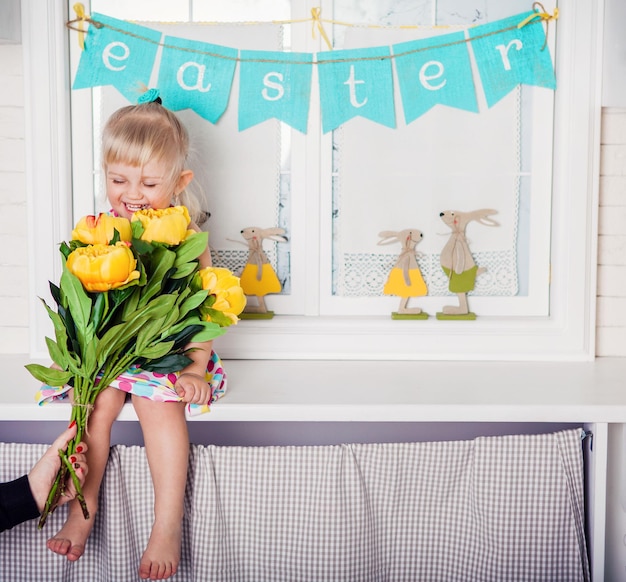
71, 538
167, 448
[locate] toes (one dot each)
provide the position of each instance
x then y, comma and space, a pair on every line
75, 552
144, 571
59, 546
156, 571
64, 547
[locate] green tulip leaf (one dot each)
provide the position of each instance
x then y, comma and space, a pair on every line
100, 308
185, 270
210, 332
193, 302
49, 376
55, 292
191, 248
167, 364
172, 317
157, 351
78, 301
65, 250
130, 304
180, 327
89, 351
165, 261
158, 307
217, 316
148, 333
137, 230
57, 354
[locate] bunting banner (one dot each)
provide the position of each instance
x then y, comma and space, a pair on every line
117, 53
435, 71
284, 80
352, 83
507, 55
355, 83
198, 76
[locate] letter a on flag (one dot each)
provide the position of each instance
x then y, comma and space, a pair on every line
196, 75
117, 53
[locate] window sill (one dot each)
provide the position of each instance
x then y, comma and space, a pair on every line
389, 391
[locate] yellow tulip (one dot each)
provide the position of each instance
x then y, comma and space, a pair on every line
103, 267
229, 296
166, 225
92, 230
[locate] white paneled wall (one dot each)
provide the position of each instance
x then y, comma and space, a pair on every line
611, 318
14, 291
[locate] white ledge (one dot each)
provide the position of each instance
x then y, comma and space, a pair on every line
391, 391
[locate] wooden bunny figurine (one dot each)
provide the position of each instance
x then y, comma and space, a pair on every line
405, 278
457, 261
258, 277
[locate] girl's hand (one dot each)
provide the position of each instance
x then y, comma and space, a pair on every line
192, 388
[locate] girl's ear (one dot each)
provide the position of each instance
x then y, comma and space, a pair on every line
186, 176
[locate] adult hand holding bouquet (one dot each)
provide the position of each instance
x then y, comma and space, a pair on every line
131, 294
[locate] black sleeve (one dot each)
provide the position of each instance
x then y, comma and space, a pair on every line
16, 503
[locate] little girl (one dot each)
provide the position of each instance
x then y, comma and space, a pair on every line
144, 159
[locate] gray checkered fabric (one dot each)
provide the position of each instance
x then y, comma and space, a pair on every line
492, 509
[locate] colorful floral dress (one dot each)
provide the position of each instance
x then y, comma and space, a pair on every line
152, 385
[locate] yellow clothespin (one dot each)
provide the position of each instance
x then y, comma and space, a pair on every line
79, 9
540, 12
316, 14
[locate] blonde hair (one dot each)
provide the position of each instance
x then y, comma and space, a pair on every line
138, 134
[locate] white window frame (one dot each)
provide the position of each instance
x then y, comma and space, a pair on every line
567, 334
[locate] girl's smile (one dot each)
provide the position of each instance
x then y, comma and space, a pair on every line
132, 188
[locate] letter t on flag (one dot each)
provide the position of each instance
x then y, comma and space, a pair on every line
356, 82
274, 84
507, 56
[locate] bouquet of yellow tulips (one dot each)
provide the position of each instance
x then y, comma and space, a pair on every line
131, 293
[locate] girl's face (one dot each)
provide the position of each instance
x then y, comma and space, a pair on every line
133, 188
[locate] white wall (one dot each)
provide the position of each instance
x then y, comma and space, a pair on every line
14, 291
611, 314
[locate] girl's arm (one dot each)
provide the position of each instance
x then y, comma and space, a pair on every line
191, 385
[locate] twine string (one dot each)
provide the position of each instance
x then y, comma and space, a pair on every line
538, 17
540, 12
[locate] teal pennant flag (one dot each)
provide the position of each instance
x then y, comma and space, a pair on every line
507, 56
356, 82
196, 75
434, 71
274, 85
117, 53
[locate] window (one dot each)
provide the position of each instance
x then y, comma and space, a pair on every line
333, 193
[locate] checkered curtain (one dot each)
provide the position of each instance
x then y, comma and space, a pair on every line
491, 509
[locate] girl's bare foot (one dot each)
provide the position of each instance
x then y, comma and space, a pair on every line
161, 557
71, 538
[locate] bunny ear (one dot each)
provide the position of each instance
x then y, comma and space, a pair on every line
276, 237
387, 237
273, 230
486, 217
